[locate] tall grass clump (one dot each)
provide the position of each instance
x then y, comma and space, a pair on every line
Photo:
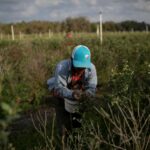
8, 108
127, 118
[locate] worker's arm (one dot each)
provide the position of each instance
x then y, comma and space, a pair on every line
91, 81
61, 76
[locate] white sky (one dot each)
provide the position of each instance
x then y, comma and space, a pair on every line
58, 10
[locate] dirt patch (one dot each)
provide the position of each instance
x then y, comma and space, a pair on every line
45, 112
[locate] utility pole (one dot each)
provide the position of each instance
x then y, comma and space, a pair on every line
20, 35
97, 31
12, 32
146, 28
101, 27
49, 33
1, 36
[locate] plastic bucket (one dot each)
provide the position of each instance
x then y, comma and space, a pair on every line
71, 106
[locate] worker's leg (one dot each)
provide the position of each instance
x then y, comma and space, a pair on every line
62, 119
76, 120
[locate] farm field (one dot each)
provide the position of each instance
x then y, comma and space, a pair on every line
120, 114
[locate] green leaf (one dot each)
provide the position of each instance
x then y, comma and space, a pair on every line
7, 108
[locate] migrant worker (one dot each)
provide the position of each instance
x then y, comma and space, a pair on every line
73, 77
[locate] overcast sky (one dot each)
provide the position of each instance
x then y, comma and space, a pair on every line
58, 10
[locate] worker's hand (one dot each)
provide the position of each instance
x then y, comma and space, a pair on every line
77, 94
87, 95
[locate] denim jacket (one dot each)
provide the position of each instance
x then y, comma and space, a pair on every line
62, 78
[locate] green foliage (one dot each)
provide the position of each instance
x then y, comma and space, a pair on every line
123, 69
78, 24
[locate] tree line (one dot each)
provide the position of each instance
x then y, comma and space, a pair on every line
79, 24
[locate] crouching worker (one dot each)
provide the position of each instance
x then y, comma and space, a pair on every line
73, 77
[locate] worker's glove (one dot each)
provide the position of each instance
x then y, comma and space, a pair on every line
86, 102
77, 94
87, 95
